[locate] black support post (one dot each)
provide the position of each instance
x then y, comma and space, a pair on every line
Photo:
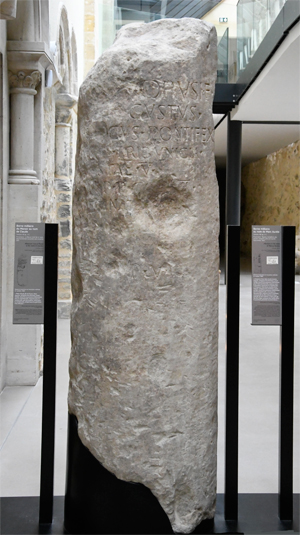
232, 276
232, 372
233, 172
287, 375
49, 374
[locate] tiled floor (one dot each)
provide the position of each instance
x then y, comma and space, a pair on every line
259, 411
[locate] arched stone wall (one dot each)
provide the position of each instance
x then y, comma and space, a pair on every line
74, 64
63, 49
65, 130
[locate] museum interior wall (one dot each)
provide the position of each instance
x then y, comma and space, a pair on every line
271, 193
39, 74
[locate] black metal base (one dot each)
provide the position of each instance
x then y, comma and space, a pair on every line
20, 516
257, 514
96, 502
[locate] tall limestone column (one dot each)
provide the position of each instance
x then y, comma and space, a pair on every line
63, 186
143, 367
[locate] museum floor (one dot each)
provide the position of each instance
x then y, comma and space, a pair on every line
258, 413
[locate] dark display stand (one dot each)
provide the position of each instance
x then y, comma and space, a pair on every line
49, 373
287, 375
97, 502
257, 515
232, 371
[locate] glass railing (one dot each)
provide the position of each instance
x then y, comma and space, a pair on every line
124, 16
241, 27
223, 42
127, 11
254, 20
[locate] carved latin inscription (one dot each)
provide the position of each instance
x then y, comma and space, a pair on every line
162, 125
143, 369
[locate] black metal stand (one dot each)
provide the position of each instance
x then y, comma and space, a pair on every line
233, 172
287, 375
50, 335
232, 372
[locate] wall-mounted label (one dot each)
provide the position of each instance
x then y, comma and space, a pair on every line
28, 306
266, 275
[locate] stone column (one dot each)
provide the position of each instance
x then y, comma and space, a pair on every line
22, 91
63, 187
23, 341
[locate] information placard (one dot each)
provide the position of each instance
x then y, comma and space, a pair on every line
28, 305
266, 275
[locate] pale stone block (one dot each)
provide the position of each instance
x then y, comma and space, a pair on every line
89, 38
89, 6
89, 23
89, 52
143, 368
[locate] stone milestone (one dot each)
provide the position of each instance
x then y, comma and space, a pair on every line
143, 367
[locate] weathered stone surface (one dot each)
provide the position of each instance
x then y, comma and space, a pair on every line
143, 368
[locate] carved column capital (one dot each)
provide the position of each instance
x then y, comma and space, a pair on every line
63, 106
25, 81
